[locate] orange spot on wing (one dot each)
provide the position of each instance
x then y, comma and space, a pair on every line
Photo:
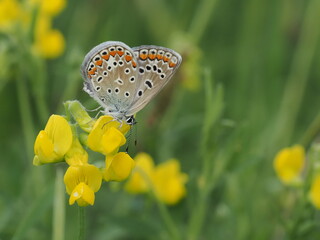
99, 62
159, 57
89, 76
92, 71
143, 56
128, 58
134, 64
113, 53
165, 59
106, 57
120, 53
152, 56
172, 64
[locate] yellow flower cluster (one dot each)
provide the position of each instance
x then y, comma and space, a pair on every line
59, 141
165, 180
289, 164
36, 15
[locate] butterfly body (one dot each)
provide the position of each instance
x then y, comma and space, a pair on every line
123, 80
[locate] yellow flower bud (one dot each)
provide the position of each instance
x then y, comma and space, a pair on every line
76, 154
289, 163
53, 142
80, 115
118, 167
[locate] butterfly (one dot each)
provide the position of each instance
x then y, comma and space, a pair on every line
124, 80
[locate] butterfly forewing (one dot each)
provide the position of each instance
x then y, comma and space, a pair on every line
156, 65
110, 73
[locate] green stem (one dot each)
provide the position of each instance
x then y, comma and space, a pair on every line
59, 207
311, 132
297, 79
201, 19
81, 214
26, 115
166, 217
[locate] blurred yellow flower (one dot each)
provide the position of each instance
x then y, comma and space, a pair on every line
118, 167
166, 179
82, 181
51, 7
314, 193
10, 11
140, 180
50, 44
289, 163
169, 182
53, 142
76, 154
107, 136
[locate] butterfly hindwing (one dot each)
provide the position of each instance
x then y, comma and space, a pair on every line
156, 66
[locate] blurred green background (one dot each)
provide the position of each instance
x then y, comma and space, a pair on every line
248, 86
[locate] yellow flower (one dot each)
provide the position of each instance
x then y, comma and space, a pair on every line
118, 167
82, 181
140, 180
289, 163
53, 142
10, 11
50, 44
76, 154
107, 136
49, 7
166, 179
314, 193
169, 182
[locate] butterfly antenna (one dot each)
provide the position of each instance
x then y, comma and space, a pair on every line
135, 136
129, 139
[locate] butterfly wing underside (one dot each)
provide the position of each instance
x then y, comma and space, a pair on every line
156, 66
110, 74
